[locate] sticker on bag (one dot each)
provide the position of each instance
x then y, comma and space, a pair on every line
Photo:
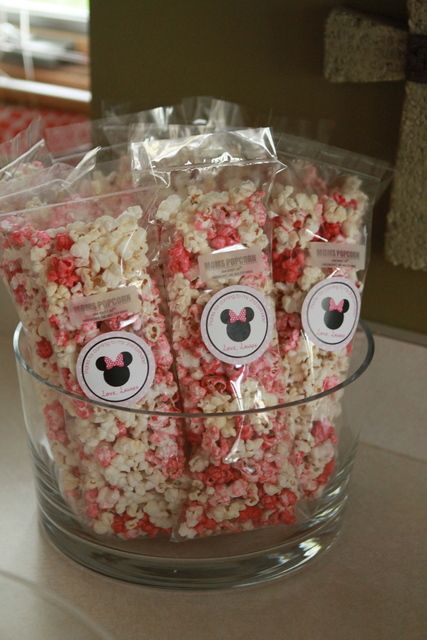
101, 306
237, 324
116, 367
337, 254
330, 313
226, 263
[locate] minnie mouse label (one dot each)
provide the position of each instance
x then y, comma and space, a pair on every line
237, 324
330, 313
116, 367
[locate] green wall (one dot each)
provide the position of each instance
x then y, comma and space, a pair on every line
267, 54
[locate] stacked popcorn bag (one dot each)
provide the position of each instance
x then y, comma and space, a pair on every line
322, 209
169, 293
120, 471
216, 235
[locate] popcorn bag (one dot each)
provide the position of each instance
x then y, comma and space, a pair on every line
216, 239
321, 237
85, 285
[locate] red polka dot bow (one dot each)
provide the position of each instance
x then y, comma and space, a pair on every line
336, 306
236, 317
118, 362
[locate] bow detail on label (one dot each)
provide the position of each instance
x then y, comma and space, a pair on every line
118, 362
237, 317
336, 306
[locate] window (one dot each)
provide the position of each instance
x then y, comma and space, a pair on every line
44, 50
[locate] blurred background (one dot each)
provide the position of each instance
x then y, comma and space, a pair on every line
71, 59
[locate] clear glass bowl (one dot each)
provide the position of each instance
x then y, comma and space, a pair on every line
29, 611
222, 561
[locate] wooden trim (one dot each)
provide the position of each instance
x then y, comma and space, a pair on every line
65, 75
43, 94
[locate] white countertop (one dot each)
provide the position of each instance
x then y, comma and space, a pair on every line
371, 585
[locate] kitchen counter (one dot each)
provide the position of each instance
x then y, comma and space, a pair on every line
371, 585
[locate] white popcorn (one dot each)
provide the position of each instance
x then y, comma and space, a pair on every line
81, 250
107, 498
310, 277
333, 212
168, 208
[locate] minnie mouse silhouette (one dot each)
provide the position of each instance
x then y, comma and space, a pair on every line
116, 372
334, 316
238, 327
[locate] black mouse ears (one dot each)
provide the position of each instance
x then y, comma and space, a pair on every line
127, 358
101, 362
227, 315
249, 314
329, 304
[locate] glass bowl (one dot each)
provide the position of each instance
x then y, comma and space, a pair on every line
215, 562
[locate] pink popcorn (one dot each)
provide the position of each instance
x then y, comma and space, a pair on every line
44, 348
55, 422
330, 382
63, 242
62, 271
104, 454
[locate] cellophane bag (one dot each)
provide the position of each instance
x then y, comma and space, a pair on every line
95, 174
191, 110
205, 112
17, 193
322, 210
69, 142
81, 276
215, 235
158, 116
213, 113
27, 192
109, 169
99, 149
103, 170
119, 121
25, 153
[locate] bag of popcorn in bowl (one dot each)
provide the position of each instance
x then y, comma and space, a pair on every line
101, 325
216, 259
17, 197
27, 191
322, 207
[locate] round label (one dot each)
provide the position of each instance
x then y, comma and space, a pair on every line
237, 324
116, 367
330, 313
